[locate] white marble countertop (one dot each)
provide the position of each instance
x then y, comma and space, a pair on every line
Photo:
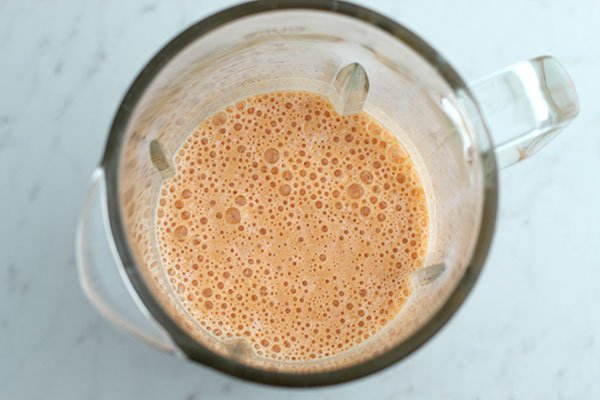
529, 330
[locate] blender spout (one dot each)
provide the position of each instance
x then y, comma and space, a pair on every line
161, 160
350, 89
425, 276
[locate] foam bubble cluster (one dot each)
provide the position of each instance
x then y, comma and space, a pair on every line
291, 226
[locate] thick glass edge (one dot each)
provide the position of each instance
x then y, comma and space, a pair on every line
187, 344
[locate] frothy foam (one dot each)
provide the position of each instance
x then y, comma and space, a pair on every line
291, 226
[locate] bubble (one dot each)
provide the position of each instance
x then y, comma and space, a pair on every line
285, 190
181, 231
271, 155
365, 211
374, 128
287, 175
232, 215
366, 177
240, 200
219, 118
355, 191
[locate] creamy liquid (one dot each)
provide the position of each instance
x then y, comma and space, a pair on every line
291, 226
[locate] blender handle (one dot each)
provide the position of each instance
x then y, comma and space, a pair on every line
530, 102
102, 276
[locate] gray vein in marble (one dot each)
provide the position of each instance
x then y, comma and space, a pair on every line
33, 192
58, 67
13, 276
6, 130
148, 8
